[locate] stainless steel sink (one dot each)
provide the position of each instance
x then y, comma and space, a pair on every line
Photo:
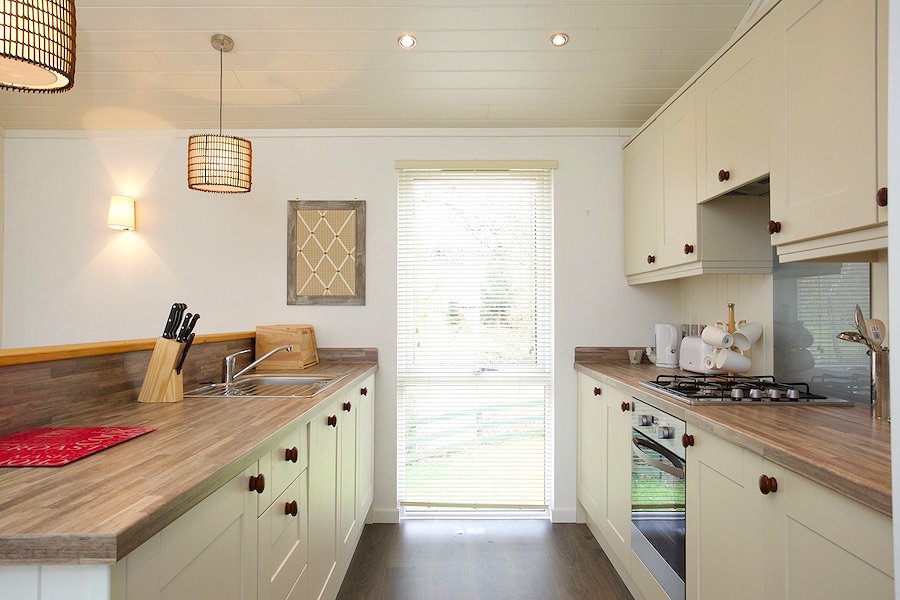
268, 386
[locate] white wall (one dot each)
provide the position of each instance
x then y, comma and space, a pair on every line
70, 279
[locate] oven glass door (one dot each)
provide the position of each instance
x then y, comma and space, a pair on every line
657, 512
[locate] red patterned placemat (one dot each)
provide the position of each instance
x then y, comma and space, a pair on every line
56, 446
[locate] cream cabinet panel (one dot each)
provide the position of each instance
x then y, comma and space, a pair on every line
617, 528
323, 515
279, 466
732, 117
724, 537
592, 447
678, 141
828, 547
365, 446
824, 130
643, 201
283, 542
348, 520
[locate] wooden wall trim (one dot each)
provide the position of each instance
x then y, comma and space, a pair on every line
23, 356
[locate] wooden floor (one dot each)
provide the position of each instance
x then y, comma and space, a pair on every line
474, 560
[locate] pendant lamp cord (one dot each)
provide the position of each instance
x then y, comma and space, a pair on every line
220, 90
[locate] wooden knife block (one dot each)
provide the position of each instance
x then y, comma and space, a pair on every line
161, 382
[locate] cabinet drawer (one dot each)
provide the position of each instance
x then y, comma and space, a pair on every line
283, 542
278, 465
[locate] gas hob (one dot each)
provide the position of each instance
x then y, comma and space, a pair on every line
733, 390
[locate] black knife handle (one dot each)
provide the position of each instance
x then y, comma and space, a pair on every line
172, 312
193, 323
184, 352
182, 333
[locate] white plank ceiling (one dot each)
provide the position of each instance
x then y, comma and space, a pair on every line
148, 64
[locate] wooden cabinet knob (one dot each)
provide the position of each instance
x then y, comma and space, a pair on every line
651, 259
767, 485
724, 175
290, 508
626, 406
347, 406
258, 483
688, 249
687, 440
292, 454
881, 197
774, 227
363, 391
332, 420
597, 391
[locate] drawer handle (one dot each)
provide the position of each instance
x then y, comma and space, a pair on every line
774, 227
290, 508
332, 420
347, 406
363, 391
881, 197
292, 454
767, 485
688, 249
724, 175
687, 440
626, 406
257, 483
651, 259
597, 391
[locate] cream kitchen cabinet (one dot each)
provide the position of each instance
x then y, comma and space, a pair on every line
591, 469
643, 199
282, 545
365, 447
758, 530
732, 117
825, 78
617, 525
348, 519
323, 499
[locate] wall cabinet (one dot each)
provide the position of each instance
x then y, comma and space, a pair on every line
732, 117
643, 198
824, 122
678, 180
798, 540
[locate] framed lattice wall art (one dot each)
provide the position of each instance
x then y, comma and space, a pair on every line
326, 252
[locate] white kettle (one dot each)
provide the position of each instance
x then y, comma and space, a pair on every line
668, 339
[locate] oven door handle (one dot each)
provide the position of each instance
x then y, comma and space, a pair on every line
676, 468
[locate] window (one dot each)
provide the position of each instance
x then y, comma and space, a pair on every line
474, 345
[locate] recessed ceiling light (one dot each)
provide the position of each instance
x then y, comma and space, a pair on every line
559, 39
406, 41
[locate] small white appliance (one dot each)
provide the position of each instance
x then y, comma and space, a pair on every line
693, 356
668, 338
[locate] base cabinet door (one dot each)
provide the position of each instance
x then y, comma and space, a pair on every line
323, 485
592, 447
724, 538
283, 551
365, 446
208, 552
617, 527
824, 126
348, 520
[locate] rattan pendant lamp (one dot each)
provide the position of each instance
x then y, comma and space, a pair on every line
220, 163
37, 45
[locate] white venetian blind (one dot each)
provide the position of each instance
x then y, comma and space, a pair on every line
474, 342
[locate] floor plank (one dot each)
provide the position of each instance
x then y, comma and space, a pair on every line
480, 560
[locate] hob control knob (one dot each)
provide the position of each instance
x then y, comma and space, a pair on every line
737, 393
645, 420
664, 432
756, 394
793, 394
775, 394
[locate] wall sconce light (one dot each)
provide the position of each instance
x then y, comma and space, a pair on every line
121, 213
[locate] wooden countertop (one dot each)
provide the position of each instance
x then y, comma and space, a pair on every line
100, 508
842, 448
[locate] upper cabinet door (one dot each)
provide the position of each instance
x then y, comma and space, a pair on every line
678, 141
732, 118
823, 127
643, 199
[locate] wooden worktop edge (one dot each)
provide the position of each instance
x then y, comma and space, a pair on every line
24, 356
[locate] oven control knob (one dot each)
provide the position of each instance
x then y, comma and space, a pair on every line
645, 420
664, 432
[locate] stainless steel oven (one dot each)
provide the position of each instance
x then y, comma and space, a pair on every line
658, 470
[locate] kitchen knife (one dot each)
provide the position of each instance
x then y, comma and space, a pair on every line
187, 346
182, 333
170, 322
178, 314
191, 325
